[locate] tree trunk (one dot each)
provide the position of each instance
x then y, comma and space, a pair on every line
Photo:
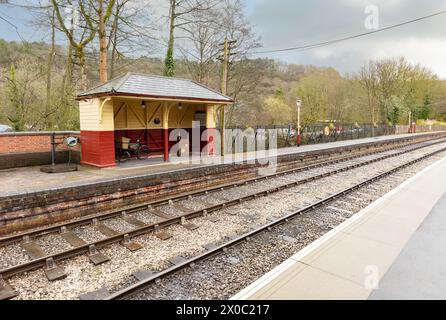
169, 63
78, 46
68, 77
112, 62
83, 70
66, 90
113, 53
102, 44
113, 41
201, 67
47, 123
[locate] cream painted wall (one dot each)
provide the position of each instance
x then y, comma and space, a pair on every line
90, 115
182, 118
211, 116
127, 114
130, 115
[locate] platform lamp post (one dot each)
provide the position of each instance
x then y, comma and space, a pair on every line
299, 106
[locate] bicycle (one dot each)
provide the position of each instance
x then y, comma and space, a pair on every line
127, 150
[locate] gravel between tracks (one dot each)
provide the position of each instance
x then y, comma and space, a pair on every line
225, 274
11, 255
84, 277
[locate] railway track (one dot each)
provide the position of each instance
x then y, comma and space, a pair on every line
141, 195
53, 272
140, 286
56, 228
296, 165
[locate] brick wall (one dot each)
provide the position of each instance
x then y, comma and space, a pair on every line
23, 211
20, 149
31, 142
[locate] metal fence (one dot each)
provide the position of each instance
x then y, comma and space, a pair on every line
420, 129
321, 133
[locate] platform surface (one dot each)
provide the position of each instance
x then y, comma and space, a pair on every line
393, 249
420, 271
30, 179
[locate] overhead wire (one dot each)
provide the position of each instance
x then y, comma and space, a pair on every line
334, 41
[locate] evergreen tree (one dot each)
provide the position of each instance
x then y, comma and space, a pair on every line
169, 64
16, 114
425, 109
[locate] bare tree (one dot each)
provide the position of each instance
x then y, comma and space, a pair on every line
233, 25
369, 82
104, 14
43, 17
49, 71
181, 14
202, 45
130, 32
394, 87
88, 32
113, 39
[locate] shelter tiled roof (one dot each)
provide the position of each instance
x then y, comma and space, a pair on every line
143, 85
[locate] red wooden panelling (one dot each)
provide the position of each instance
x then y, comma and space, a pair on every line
155, 139
211, 137
98, 148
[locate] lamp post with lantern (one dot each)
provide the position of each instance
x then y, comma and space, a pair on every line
299, 106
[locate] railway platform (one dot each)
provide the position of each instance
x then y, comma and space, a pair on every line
393, 249
30, 179
32, 199
147, 228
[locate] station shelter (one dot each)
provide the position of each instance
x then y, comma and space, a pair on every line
144, 107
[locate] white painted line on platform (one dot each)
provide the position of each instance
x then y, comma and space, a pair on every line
266, 279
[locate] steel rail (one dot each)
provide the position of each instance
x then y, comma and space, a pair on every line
121, 237
330, 153
157, 203
140, 285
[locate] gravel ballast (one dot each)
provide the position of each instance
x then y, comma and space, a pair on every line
225, 274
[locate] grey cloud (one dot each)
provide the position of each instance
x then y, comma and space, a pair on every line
287, 23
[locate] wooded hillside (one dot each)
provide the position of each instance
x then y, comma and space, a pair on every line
106, 38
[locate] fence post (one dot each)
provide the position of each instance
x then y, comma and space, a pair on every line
53, 148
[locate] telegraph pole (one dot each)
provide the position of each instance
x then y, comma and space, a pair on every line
224, 68
227, 47
299, 107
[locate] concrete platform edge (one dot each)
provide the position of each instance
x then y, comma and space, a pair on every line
266, 279
125, 175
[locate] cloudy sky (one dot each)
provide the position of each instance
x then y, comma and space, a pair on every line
300, 22
290, 23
